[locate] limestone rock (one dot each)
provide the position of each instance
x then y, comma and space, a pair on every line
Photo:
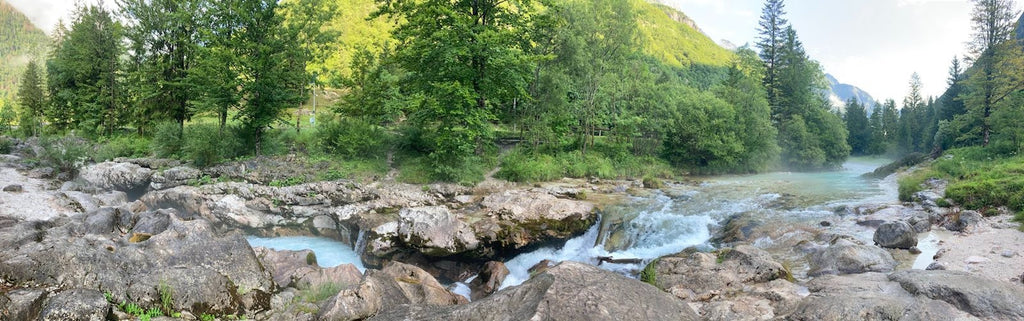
116, 176
965, 221
569, 291
896, 235
435, 231
846, 256
77, 305
979, 296
488, 280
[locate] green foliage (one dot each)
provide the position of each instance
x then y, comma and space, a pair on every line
65, 154
320, 292
665, 34
649, 274
290, 181
353, 138
206, 145
523, 165
206, 317
166, 299
20, 43
122, 146
32, 100
6, 145
167, 139
82, 74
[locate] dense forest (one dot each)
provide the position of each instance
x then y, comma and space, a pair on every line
447, 90
20, 42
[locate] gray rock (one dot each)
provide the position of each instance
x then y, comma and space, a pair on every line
846, 256
153, 222
935, 266
1008, 253
381, 290
922, 222
435, 231
695, 276
174, 177
21, 304
13, 188
979, 296
896, 235
77, 305
299, 269
868, 296
116, 176
965, 221
569, 291
41, 173
488, 280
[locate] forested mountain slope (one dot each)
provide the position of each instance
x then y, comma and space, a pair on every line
20, 42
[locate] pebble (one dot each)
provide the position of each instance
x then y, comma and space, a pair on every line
935, 266
914, 250
1008, 253
14, 188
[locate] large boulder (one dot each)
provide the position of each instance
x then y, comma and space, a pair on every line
435, 231
203, 271
488, 280
847, 256
569, 291
21, 304
966, 221
696, 276
896, 235
115, 176
174, 177
77, 305
868, 296
981, 297
299, 269
380, 290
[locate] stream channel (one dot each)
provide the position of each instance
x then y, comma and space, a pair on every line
686, 215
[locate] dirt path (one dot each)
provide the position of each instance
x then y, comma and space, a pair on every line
34, 202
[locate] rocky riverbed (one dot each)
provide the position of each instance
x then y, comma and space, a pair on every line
150, 233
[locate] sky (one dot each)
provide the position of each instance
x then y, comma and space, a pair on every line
872, 44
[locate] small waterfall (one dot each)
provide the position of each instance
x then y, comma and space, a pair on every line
360, 243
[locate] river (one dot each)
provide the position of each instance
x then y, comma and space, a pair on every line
686, 215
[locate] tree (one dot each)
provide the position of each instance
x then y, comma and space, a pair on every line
994, 22
890, 121
771, 41
31, 99
857, 124
271, 65
163, 37
83, 74
464, 58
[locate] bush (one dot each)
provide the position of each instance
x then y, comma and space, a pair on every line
353, 138
6, 145
206, 145
65, 154
122, 146
521, 166
167, 139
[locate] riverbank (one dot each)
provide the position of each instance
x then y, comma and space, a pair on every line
771, 246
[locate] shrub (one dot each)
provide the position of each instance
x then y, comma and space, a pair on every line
352, 138
167, 139
6, 145
65, 154
205, 144
649, 274
528, 167
122, 146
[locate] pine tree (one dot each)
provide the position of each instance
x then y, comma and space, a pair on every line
31, 99
771, 41
858, 126
994, 22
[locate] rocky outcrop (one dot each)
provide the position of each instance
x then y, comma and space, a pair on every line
896, 235
201, 270
569, 291
734, 284
77, 305
488, 280
22, 304
115, 176
965, 221
299, 269
173, 177
844, 255
981, 297
396, 284
868, 296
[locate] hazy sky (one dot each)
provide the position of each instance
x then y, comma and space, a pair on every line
873, 44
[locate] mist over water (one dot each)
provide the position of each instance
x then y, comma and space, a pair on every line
683, 216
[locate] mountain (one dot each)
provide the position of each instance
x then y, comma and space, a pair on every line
20, 42
672, 37
839, 93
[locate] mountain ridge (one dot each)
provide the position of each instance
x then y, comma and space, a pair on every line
20, 42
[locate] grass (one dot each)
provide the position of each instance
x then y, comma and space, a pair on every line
649, 274
978, 180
